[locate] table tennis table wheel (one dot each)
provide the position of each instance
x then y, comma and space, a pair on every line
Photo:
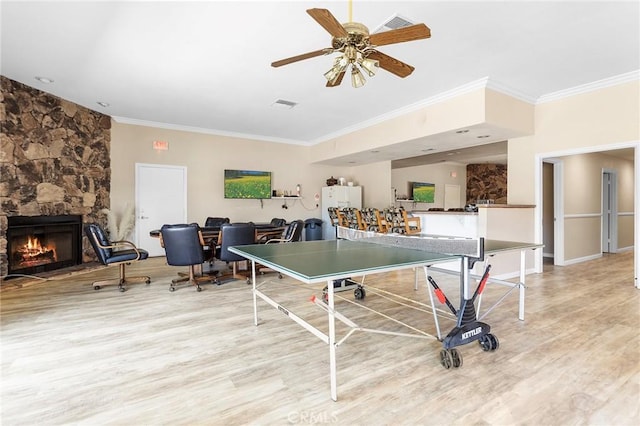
450, 358
489, 342
359, 293
457, 357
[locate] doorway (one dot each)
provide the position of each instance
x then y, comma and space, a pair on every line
161, 197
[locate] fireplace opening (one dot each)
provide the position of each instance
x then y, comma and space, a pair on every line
43, 243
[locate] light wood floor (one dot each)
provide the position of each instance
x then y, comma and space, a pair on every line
72, 355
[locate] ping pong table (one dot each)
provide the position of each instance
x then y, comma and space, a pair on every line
311, 262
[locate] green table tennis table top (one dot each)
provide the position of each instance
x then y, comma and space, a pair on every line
319, 261
323, 260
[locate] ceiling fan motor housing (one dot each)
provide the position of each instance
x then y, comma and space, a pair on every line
358, 36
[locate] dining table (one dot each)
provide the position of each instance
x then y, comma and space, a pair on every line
264, 232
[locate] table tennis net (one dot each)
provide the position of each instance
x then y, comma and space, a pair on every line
472, 247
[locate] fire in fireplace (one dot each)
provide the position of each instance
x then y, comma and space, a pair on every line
32, 253
43, 243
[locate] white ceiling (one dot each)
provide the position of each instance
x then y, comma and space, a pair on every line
206, 65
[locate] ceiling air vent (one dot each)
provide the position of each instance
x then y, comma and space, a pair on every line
393, 23
281, 103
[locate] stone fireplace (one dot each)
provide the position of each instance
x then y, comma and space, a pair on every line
54, 162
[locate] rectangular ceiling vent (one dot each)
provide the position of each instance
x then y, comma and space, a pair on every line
393, 23
281, 103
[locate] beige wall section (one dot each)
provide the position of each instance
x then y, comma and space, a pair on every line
602, 117
626, 229
464, 110
582, 184
584, 242
509, 113
206, 156
439, 174
509, 224
596, 118
521, 170
375, 180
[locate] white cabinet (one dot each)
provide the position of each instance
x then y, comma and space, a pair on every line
338, 196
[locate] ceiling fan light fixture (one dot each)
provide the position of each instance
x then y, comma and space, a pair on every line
357, 79
369, 65
334, 72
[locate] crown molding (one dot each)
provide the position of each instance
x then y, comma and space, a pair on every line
590, 87
169, 126
510, 91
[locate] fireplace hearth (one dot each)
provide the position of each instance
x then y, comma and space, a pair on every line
43, 243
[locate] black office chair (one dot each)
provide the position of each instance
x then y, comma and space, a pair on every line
118, 253
234, 234
291, 234
211, 243
276, 221
215, 221
183, 246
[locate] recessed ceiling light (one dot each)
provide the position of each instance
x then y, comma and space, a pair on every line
102, 104
483, 136
45, 80
462, 131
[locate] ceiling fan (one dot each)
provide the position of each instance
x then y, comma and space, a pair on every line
359, 48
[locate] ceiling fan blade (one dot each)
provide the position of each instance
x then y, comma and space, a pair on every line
413, 32
337, 80
328, 22
390, 64
304, 56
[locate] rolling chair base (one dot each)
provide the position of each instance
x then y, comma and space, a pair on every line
97, 285
192, 279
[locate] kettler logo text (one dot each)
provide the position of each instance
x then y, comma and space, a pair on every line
471, 333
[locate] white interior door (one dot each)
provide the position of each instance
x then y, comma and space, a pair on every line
161, 197
451, 196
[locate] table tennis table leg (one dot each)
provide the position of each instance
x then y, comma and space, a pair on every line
521, 285
255, 298
332, 341
433, 305
465, 291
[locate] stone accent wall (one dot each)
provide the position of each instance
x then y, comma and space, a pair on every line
54, 159
487, 182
